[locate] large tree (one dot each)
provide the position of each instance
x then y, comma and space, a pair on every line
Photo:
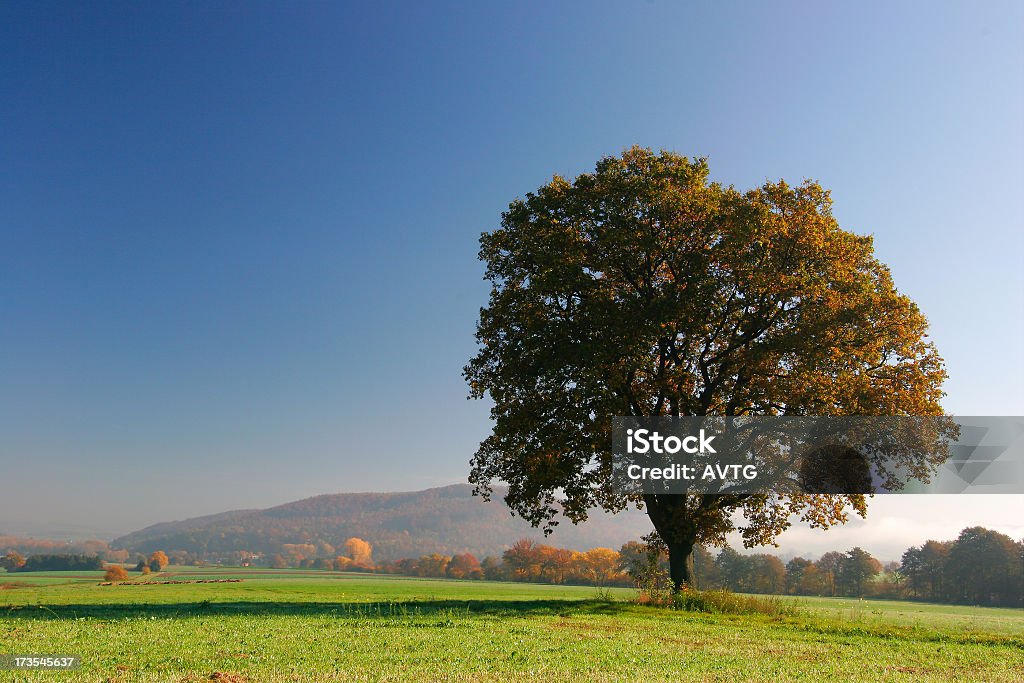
644, 289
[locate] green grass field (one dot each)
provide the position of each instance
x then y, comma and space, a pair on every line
292, 625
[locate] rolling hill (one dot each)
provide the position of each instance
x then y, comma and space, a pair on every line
444, 520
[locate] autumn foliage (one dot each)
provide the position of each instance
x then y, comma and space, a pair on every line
115, 572
359, 552
644, 289
12, 561
158, 560
525, 560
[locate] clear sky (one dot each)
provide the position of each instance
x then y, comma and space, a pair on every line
238, 242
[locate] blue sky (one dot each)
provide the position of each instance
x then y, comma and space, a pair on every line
238, 243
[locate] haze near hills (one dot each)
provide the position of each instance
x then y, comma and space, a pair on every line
444, 520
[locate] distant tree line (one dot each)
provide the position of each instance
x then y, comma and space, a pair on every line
524, 561
52, 563
37, 546
448, 520
980, 567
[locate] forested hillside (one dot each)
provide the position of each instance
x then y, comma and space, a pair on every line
446, 520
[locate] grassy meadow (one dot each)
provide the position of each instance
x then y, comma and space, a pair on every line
292, 625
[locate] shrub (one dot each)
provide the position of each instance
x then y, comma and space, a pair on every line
115, 572
726, 602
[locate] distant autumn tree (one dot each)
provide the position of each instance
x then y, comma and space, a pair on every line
643, 289
493, 569
114, 573
12, 561
829, 566
557, 564
434, 564
158, 560
601, 565
464, 566
523, 559
325, 563
119, 556
360, 552
298, 552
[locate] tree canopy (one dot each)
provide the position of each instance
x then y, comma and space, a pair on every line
645, 289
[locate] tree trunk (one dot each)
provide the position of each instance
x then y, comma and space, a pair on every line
680, 564
674, 526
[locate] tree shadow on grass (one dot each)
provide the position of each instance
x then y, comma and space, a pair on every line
398, 609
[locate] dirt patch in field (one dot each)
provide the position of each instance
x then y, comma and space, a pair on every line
12, 586
228, 677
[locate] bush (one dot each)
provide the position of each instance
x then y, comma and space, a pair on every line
726, 602
115, 572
